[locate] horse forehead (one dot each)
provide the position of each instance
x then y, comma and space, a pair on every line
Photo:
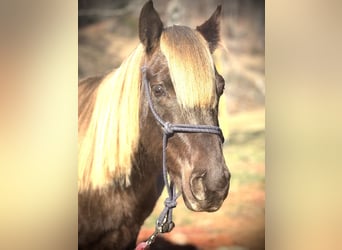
158, 63
184, 58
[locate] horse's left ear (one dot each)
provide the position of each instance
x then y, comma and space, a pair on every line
210, 29
150, 27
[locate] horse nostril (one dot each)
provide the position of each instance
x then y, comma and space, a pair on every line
198, 188
225, 179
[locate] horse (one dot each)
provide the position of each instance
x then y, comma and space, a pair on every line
120, 174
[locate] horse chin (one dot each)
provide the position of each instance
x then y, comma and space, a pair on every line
199, 206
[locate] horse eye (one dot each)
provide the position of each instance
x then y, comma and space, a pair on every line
158, 90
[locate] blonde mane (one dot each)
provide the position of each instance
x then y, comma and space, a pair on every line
107, 143
191, 66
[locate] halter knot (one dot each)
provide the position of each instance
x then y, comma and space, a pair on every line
168, 130
170, 203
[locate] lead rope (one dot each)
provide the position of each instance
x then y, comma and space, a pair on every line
164, 222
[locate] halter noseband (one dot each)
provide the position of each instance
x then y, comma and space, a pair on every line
164, 222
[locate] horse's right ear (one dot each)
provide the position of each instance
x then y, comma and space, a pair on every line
210, 29
150, 27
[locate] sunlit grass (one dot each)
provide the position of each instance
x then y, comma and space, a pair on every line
245, 149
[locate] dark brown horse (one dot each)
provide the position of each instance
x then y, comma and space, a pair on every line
120, 140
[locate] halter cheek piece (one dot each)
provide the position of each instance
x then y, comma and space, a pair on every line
164, 222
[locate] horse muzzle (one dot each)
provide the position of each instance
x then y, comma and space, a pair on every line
207, 189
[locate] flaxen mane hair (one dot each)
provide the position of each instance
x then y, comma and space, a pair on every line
191, 66
109, 137
105, 151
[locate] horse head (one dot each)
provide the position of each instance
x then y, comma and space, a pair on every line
184, 88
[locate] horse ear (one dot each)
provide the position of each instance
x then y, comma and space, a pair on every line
210, 29
150, 27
